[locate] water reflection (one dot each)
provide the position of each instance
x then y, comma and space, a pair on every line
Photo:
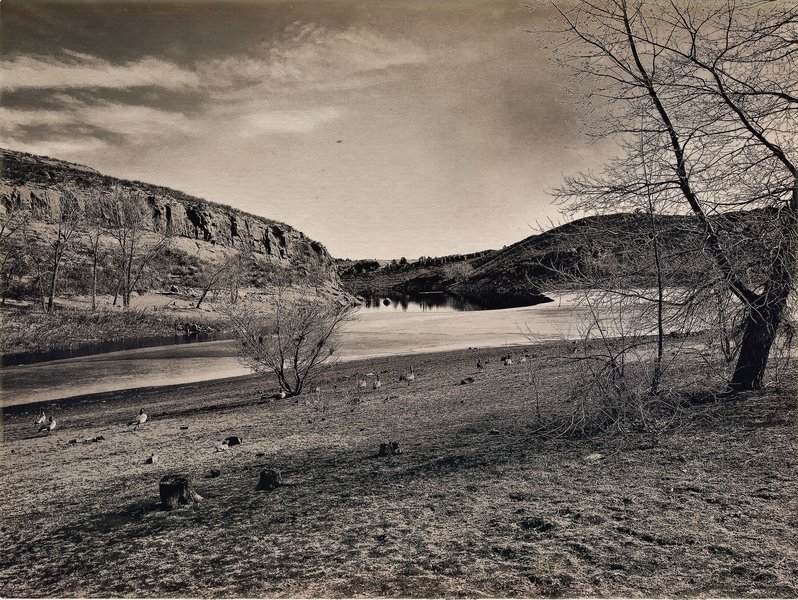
430, 301
90, 348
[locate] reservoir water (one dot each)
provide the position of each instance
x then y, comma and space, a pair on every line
378, 331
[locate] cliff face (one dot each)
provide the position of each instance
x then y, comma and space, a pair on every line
33, 183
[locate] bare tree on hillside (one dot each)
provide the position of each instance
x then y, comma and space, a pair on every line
226, 274
12, 252
47, 246
717, 83
68, 221
95, 225
127, 216
293, 340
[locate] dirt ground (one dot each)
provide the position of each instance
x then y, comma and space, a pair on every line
477, 504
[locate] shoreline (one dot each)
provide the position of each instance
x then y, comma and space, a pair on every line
247, 380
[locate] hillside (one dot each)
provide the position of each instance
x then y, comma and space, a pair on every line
568, 256
202, 231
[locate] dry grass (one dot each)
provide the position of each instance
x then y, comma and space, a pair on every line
476, 505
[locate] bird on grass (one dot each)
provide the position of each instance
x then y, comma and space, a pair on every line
479, 364
42, 418
361, 382
48, 427
408, 377
377, 384
140, 420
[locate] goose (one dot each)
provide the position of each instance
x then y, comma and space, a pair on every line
49, 426
42, 418
479, 364
139, 420
377, 384
410, 376
522, 359
361, 382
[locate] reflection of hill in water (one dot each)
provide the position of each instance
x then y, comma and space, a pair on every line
433, 301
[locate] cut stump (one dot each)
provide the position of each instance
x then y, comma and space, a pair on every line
176, 491
269, 480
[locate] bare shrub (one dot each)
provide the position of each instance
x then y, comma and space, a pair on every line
293, 339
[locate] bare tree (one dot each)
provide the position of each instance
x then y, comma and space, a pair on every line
225, 274
69, 217
716, 82
292, 341
12, 255
127, 216
47, 246
95, 226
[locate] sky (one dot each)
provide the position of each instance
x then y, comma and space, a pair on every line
380, 128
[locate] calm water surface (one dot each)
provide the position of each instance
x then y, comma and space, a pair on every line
378, 331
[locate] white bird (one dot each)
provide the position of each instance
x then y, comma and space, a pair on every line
140, 419
377, 384
42, 418
49, 426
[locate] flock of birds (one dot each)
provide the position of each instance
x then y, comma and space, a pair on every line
49, 424
45, 424
362, 382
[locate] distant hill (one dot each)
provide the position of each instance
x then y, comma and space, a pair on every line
202, 231
598, 247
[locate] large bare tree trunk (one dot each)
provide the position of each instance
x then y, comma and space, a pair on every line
765, 315
761, 325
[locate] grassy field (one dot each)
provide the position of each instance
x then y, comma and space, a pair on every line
477, 504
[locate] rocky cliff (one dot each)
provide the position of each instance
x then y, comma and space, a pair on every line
36, 183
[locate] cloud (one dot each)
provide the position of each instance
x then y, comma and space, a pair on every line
270, 89
75, 71
311, 57
100, 122
303, 53
286, 121
57, 147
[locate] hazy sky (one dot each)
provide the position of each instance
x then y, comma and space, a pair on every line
381, 128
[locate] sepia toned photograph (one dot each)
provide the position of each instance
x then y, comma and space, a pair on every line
398, 298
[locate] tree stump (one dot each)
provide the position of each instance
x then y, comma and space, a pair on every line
385, 449
269, 480
395, 448
176, 491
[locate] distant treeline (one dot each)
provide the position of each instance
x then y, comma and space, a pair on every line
347, 267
